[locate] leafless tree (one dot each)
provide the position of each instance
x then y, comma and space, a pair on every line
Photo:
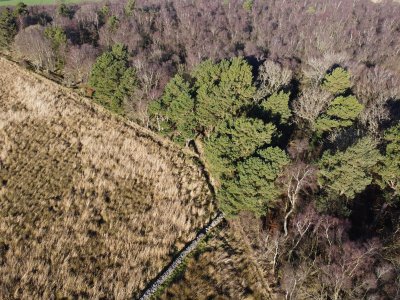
271, 78
31, 44
312, 102
375, 86
316, 67
298, 178
80, 60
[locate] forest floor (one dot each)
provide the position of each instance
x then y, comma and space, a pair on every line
90, 205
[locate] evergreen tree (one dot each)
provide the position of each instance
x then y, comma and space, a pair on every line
342, 112
65, 11
129, 7
112, 79
347, 173
8, 28
389, 169
253, 188
58, 40
337, 82
243, 136
278, 106
175, 108
21, 11
234, 140
222, 89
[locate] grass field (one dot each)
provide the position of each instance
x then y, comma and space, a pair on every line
90, 206
220, 269
42, 2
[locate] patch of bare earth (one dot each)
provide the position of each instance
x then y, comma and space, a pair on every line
90, 206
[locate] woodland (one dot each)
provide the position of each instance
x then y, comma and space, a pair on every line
292, 106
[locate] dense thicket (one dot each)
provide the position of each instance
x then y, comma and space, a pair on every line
293, 106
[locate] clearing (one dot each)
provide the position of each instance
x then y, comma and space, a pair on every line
91, 205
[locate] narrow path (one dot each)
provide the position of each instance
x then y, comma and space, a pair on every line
166, 273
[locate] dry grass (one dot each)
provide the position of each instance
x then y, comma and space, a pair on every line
221, 270
90, 206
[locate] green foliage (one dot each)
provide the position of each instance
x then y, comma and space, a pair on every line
214, 107
337, 82
234, 140
8, 28
253, 188
58, 39
278, 105
222, 89
341, 112
176, 108
65, 11
130, 7
248, 5
243, 136
389, 169
21, 9
112, 23
347, 173
112, 79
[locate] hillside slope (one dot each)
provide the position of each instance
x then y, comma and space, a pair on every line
90, 205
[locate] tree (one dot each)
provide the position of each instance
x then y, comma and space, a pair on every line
375, 87
129, 7
31, 44
271, 78
21, 11
176, 110
79, 62
297, 178
112, 79
253, 188
8, 28
337, 82
389, 168
278, 106
347, 173
58, 40
65, 11
222, 90
234, 140
341, 113
248, 5
310, 105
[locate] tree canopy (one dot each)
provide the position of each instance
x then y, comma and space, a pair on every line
8, 28
347, 173
112, 78
337, 82
389, 169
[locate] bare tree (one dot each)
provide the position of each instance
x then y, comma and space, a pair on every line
376, 86
31, 44
271, 78
316, 67
78, 65
298, 178
311, 104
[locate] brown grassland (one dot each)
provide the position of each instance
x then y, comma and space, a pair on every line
223, 267
91, 206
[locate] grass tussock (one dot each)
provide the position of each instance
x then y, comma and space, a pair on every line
90, 206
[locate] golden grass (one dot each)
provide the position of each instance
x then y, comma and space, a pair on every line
90, 205
221, 270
